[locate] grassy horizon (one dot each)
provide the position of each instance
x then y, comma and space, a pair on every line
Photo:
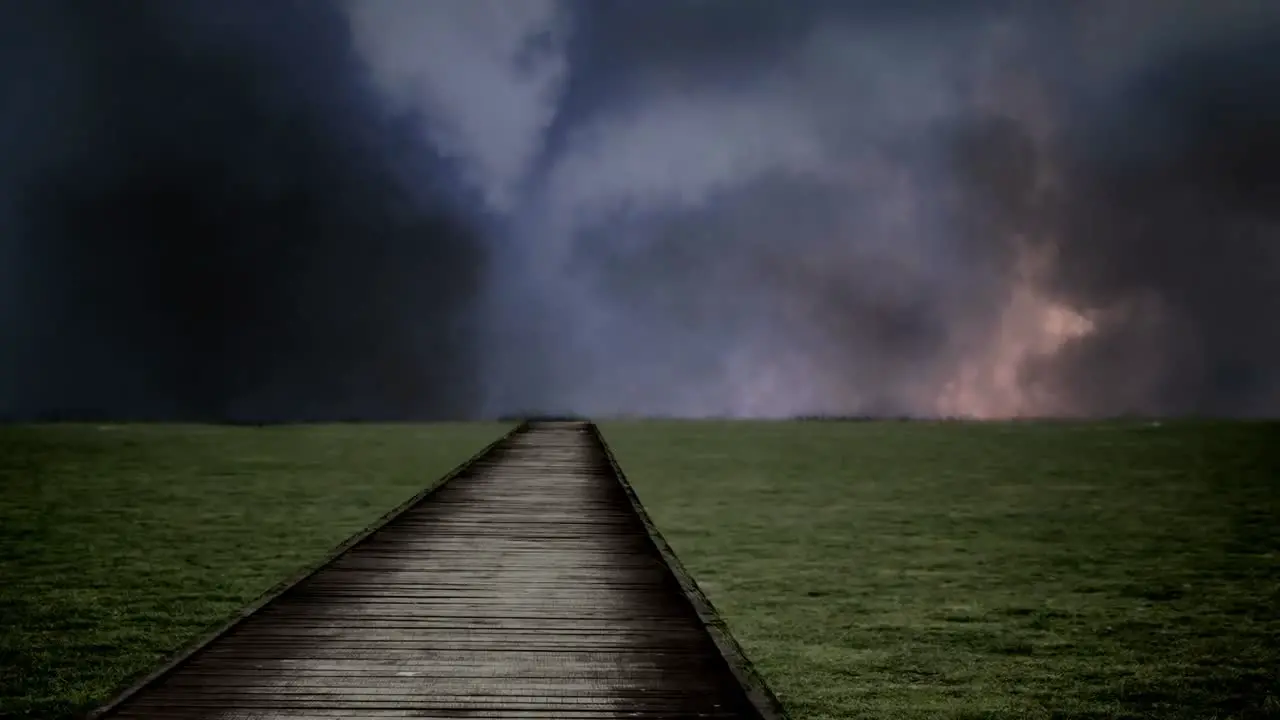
1118, 569
121, 544
1029, 569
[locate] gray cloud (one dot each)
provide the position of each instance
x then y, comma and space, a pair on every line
934, 209
208, 214
687, 207
1173, 200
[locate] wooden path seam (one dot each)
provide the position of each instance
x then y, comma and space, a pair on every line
287, 584
528, 582
761, 697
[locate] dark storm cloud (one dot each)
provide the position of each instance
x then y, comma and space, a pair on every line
964, 207
1172, 201
690, 207
748, 207
207, 213
745, 208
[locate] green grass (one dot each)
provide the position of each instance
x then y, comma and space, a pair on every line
871, 570
119, 545
946, 570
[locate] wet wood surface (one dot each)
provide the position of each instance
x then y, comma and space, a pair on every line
525, 587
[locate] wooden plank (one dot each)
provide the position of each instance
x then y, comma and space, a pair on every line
526, 587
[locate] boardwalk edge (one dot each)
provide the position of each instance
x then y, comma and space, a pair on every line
284, 586
757, 691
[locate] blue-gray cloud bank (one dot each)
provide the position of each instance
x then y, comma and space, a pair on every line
460, 208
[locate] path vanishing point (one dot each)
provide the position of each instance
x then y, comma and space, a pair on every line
529, 584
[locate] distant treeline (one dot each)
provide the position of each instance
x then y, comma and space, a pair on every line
541, 417
90, 415
852, 418
94, 416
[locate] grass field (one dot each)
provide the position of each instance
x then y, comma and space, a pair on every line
946, 570
871, 570
122, 544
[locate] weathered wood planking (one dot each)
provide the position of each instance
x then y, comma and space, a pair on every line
525, 587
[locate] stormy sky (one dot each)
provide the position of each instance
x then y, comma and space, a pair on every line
283, 209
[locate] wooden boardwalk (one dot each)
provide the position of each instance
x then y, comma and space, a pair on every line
527, 586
